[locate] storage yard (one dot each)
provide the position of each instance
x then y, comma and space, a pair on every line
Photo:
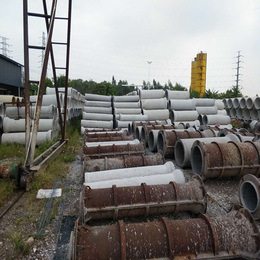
168, 181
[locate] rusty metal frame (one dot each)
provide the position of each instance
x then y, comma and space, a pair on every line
31, 135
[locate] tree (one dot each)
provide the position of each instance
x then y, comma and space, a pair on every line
211, 94
104, 88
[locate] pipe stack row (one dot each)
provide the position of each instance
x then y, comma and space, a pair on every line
49, 128
244, 108
97, 112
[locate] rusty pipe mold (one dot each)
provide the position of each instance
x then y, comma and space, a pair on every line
166, 140
249, 194
224, 237
124, 173
129, 161
90, 144
144, 200
108, 138
114, 150
5, 172
228, 160
105, 133
176, 175
182, 149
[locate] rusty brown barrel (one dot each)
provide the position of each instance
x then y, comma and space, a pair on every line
127, 161
226, 160
166, 140
230, 236
101, 138
144, 200
113, 150
147, 128
249, 194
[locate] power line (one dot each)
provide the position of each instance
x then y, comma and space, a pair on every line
238, 67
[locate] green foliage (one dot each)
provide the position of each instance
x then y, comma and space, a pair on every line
104, 88
211, 94
7, 188
194, 94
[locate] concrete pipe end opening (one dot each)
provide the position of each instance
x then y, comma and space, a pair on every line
151, 141
197, 158
129, 129
179, 152
143, 134
160, 141
249, 194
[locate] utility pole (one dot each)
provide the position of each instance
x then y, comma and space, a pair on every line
5, 46
238, 67
148, 83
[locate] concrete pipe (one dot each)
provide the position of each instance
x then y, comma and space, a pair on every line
150, 104
97, 131
207, 110
175, 94
1, 123
138, 133
104, 164
224, 237
96, 124
124, 173
253, 114
162, 114
12, 125
114, 150
225, 103
257, 103
220, 104
132, 201
249, 194
181, 104
251, 101
127, 104
216, 119
99, 110
182, 149
230, 103
246, 114
20, 137
47, 100
133, 117
228, 160
52, 91
152, 140
97, 117
222, 112
151, 94
242, 103
89, 103
228, 111
166, 140
180, 116
125, 99
187, 124
239, 113
176, 176
236, 103
108, 133
204, 102
253, 125
8, 99
91, 144
147, 128
122, 124
2, 112
233, 112
93, 97
47, 112
210, 132
131, 111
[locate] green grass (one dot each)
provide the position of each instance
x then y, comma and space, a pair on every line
7, 188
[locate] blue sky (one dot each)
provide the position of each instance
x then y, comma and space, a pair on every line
118, 37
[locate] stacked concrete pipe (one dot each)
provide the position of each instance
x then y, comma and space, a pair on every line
98, 112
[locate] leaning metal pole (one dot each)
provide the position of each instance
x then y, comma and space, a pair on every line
32, 142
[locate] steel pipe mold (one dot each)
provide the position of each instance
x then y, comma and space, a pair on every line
144, 200
128, 161
166, 140
109, 138
227, 160
114, 150
230, 236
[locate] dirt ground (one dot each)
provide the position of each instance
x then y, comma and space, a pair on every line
17, 226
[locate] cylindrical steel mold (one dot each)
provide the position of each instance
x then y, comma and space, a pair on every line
108, 138
232, 235
114, 150
128, 161
227, 160
166, 140
144, 200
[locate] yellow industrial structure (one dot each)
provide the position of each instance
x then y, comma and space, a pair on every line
198, 73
